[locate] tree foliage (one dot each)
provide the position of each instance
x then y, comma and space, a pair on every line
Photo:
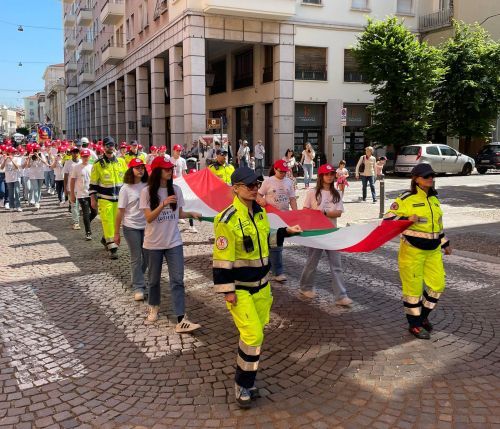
468, 98
402, 73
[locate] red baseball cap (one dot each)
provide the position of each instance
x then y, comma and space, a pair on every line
159, 162
153, 148
162, 148
140, 146
325, 169
135, 162
177, 147
85, 152
281, 165
123, 145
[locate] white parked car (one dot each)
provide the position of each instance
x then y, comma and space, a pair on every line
442, 158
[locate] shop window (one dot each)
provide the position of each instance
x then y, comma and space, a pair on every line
267, 75
405, 6
219, 70
351, 68
243, 69
310, 63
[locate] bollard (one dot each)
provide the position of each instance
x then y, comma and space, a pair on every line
382, 197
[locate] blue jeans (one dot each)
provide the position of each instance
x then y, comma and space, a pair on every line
243, 162
36, 189
259, 166
138, 256
308, 172
309, 271
75, 212
26, 189
276, 260
14, 201
364, 181
3, 195
175, 263
49, 179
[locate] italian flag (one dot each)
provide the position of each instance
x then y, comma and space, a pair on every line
204, 193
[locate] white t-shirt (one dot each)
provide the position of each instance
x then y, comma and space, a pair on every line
244, 152
278, 192
326, 203
180, 166
342, 172
81, 173
68, 166
163, 232
129, 199
37, 169
12, 174
308, 157
58, 170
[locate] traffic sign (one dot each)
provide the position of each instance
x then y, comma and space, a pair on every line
213, 123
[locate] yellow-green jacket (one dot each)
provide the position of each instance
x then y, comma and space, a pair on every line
223, 172
106, 178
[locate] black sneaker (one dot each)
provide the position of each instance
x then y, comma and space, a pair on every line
103, 242
254, 393
427, 325
114, 254
88, 236
242, 396
420, 333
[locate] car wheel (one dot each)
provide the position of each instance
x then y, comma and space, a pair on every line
482, 170
467, 169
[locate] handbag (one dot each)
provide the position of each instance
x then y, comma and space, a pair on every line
362, 166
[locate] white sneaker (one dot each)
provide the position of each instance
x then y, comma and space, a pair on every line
280, 278
307, 293
243, 396
139, 296
7, 206
186, 326
19, 209
62, 204
153, 313
182, 221
76, 226
1, 203
192, 229
344, 302
37, 206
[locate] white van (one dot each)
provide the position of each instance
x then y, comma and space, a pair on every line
442, 158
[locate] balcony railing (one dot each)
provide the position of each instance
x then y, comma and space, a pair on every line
310, 72
113, 53
84, 17
275, 9
354, 76
112, 12
70, 67
69, 20
70, 42
435, 21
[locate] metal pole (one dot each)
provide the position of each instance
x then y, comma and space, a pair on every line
382, 197
221, 132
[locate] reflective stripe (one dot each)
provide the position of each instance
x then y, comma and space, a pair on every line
217, 263
247, 366
390, 216
428, 304
444, 240
413, 311
249, 350
429, 235
256, 263
225, 287
257, 283
107, 197
432, 294
111, 245
411, 299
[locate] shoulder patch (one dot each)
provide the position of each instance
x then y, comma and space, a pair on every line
394, 206
404, 195
228, 213
221, 242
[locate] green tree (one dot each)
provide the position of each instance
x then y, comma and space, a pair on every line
402, 72
467, 101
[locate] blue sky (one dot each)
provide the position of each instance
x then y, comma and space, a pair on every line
39, 46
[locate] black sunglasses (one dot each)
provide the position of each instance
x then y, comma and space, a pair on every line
251, 186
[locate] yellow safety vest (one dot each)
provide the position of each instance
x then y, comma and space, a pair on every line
223, 172
241, 248
129, 157
106, 178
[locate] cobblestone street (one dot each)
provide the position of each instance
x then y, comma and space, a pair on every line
76, 351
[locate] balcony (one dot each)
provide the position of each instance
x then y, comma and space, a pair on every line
69, 20
113, 12
68, 1
310, 72
435, 21
70, 67
276, 9
113, 54
86, 76
70, 42
71, 91
85, 47
84, 18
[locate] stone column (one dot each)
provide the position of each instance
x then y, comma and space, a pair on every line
93, 128
130, 108
176, 96
111, 100
158, 101
143, 114
97, 115
104, 112
334, 149
121, 126
194, 88
86, 132
283, 105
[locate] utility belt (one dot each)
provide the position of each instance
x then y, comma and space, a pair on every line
252, 287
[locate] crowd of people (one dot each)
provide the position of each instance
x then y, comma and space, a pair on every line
112, 181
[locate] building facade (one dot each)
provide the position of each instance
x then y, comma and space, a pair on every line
31, 110
280, 71
55, 100
8, 120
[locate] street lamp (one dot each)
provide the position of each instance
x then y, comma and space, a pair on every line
488, 17
20, 28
